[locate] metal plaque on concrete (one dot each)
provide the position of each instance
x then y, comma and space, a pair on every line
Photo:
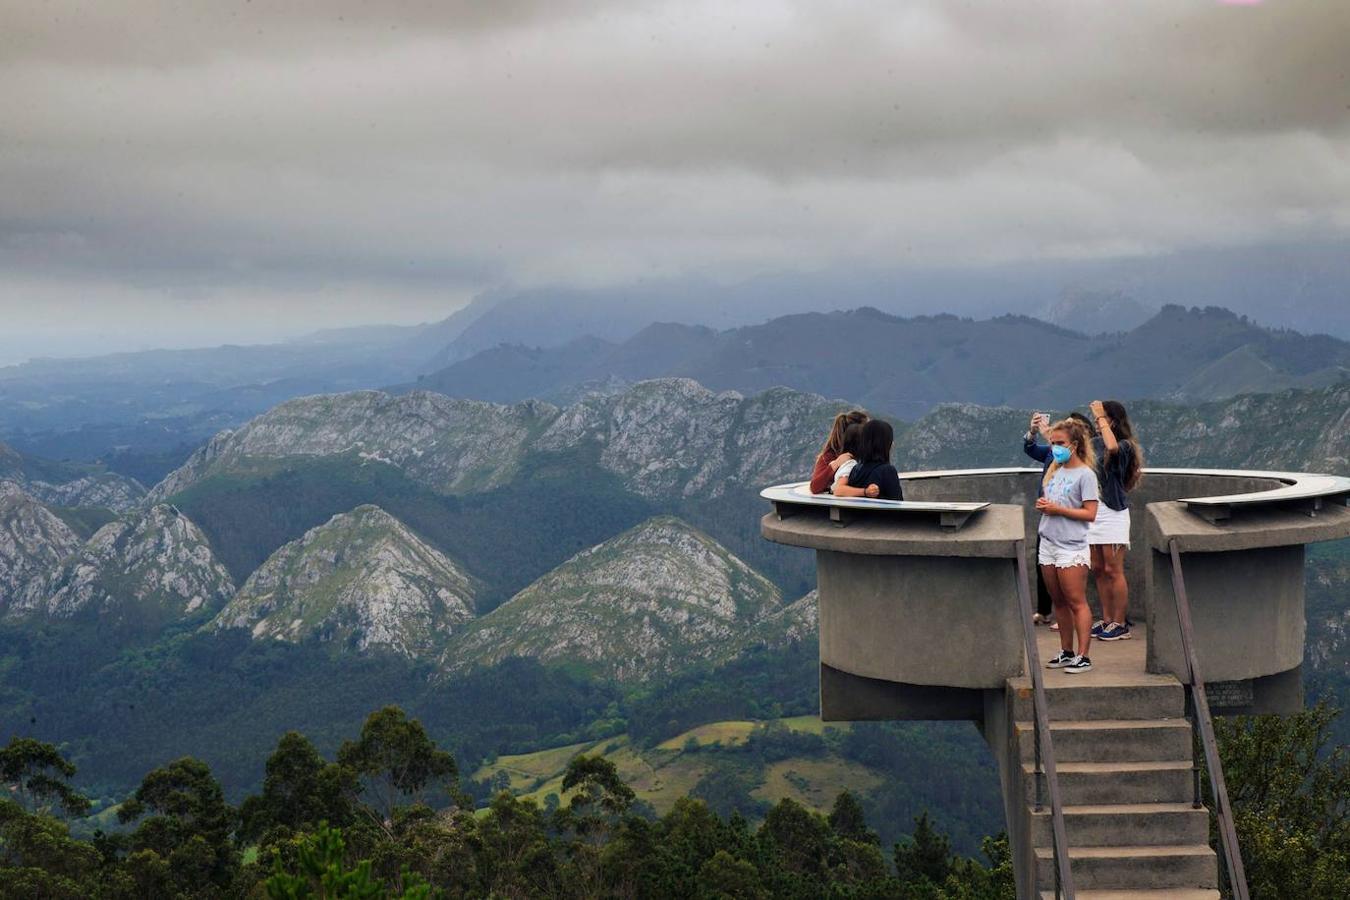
1230, 693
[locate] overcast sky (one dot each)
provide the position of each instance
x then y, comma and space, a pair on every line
189, 173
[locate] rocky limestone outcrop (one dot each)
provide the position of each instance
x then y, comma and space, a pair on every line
675, 438
110, 490
1292, 431
449, 445
145, 570
666, 439
655, 599
106, 489
33, 543
362, 580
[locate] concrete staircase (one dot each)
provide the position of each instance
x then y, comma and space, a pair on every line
1122, 746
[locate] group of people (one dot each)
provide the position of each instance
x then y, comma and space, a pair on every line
1089, 467
856, 459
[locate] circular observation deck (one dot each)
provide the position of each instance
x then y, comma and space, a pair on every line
918, 598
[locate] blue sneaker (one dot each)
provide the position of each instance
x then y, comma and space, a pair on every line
1114, 632
1098, 626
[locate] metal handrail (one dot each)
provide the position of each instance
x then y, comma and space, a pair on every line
1045, 754
1201, 722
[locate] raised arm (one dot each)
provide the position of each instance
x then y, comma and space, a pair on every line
1104, 427
1037, 451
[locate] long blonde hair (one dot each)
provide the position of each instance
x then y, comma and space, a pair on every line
835, 442
1080, 436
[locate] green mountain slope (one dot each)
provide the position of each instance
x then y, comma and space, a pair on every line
362, 580
654, 599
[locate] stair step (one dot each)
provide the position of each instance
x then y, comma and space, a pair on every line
1094, 783
1141, 696
1124, 868
1104, 740
1133, 824
1185, 894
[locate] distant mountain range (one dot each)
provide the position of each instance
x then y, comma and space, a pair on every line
351, 516
907, 366
1299, 286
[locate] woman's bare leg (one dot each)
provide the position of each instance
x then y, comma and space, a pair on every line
1072, 584
1113, 574
1063, 615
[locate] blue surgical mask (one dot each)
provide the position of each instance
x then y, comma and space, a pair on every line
1062, 454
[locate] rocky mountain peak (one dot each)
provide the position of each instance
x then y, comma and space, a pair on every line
451, 445
362, 579
146, 568
644, 603
33, 542
672, 437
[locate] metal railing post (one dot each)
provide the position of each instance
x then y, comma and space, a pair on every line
1237, 875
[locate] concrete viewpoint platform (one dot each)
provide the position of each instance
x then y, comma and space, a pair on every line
920, 620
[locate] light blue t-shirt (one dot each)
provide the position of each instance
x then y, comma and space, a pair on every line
1071, 488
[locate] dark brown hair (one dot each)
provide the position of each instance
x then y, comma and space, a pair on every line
835, 442
1124, 431
877, 438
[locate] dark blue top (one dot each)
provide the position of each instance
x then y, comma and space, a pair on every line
1040, 453
882, 474
1111, 473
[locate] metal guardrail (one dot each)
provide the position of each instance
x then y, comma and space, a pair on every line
1045, 754
1202, 723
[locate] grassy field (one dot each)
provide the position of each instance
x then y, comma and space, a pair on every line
814, 782
672, 769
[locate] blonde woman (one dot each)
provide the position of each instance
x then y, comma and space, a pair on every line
1068, 505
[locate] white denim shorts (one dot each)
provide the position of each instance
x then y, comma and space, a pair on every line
1112, 526
1061, 557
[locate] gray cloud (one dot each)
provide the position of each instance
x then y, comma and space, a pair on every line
237, 151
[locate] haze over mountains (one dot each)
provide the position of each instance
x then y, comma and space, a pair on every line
141, 413
905, 366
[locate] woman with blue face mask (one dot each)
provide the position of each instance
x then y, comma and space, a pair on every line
1068, 505
1040, 427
